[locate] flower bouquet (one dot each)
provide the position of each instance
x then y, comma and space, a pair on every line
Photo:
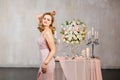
73, 31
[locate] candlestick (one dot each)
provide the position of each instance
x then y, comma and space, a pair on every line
93, 40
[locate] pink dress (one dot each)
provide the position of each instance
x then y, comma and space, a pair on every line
44, 52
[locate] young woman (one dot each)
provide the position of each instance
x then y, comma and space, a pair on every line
46, 46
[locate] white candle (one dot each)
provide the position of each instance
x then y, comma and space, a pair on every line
58, 45
87, 52
97, 34
88, 34
83, 53
59, 41
55, 35
92, 31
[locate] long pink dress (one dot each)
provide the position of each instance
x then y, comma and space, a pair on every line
44, 52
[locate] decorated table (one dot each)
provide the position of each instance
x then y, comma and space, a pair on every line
77, 69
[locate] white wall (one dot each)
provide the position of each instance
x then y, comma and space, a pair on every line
18, 28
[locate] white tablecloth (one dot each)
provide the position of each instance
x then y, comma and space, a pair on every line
78, 69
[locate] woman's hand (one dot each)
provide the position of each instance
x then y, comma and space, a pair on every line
53, 13
44, 68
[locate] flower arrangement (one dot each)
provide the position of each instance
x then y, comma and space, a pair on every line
73, 31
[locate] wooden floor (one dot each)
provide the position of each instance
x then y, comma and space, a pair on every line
31, 73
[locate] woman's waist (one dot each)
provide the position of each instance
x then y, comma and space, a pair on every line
43, 47
44, 50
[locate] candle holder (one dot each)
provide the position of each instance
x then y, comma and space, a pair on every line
92, 40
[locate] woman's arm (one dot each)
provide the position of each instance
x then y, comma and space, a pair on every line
50, 41
38, 17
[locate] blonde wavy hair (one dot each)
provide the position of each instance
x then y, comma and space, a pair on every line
41, 26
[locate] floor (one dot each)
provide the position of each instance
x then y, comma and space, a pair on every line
111, 74
30, 74
18, 73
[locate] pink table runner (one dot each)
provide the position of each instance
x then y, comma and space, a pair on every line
80, 69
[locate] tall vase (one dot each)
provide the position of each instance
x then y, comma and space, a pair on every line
74, 50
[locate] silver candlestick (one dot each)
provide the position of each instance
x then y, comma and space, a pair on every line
92, 40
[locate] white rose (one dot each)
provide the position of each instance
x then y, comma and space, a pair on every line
76, 42
78, 36
69, 38
73, 42
63, 40
78, 22
70, 32
67, 42
66, 32
63, 28
75, 38
76, 32
81, 31
71, 35
67, 26
83, 25
83, 35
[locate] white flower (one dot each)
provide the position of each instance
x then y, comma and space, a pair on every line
67, 42
81, 31
73, 24
69, 38
78, 22
75, 38
66, 32
67, 26
71, 32
76, 32
63, 28
78, 36
76, 42
72, 42
63, 40
70, 28
83, 25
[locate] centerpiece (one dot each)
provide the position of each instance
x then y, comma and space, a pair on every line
73, 33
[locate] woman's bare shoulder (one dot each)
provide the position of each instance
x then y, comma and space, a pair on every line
47, 33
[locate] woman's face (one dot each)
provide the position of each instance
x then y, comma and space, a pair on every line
47, 20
